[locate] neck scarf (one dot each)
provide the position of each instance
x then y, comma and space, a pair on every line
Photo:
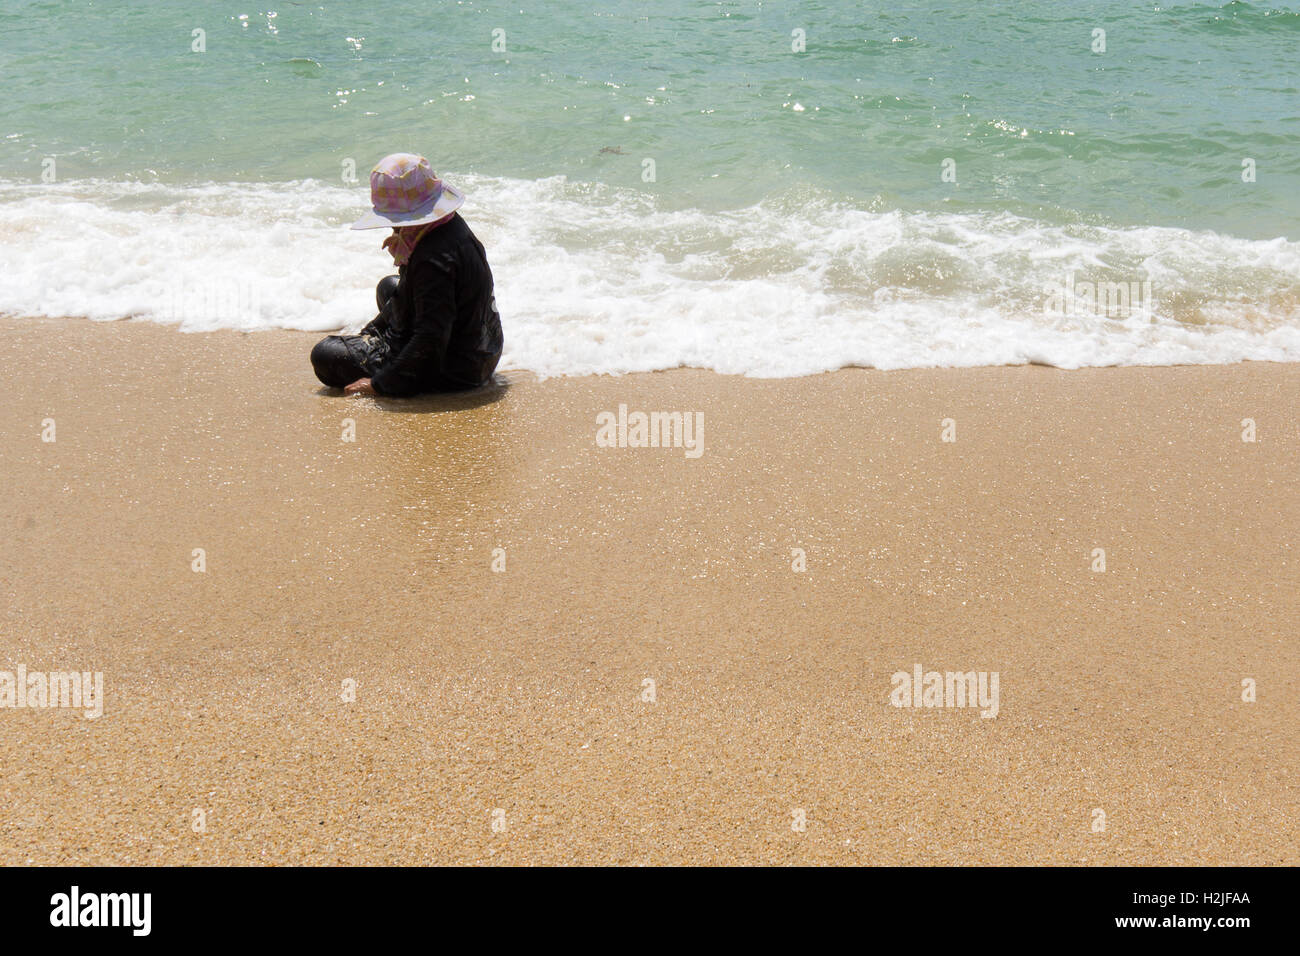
404, 239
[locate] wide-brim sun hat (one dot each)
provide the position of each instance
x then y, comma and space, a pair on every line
405, 192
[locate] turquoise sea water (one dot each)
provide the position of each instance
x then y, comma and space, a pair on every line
813, 175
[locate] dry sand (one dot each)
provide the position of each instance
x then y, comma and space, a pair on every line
522, 691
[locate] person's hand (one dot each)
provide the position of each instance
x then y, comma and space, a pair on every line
361, 386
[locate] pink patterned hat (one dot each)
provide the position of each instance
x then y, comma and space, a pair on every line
405, 192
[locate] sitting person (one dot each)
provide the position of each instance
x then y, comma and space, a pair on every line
437, 329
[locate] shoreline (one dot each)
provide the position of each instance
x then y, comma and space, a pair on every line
523, 690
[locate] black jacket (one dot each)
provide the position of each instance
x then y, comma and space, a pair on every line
441, 327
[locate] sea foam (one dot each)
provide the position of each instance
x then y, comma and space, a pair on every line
592, 278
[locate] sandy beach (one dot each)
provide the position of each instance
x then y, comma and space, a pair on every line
644, 677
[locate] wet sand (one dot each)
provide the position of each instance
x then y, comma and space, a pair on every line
504, 716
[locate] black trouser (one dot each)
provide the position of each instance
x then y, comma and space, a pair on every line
339, 360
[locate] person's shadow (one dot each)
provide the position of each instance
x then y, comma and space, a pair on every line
437, 402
